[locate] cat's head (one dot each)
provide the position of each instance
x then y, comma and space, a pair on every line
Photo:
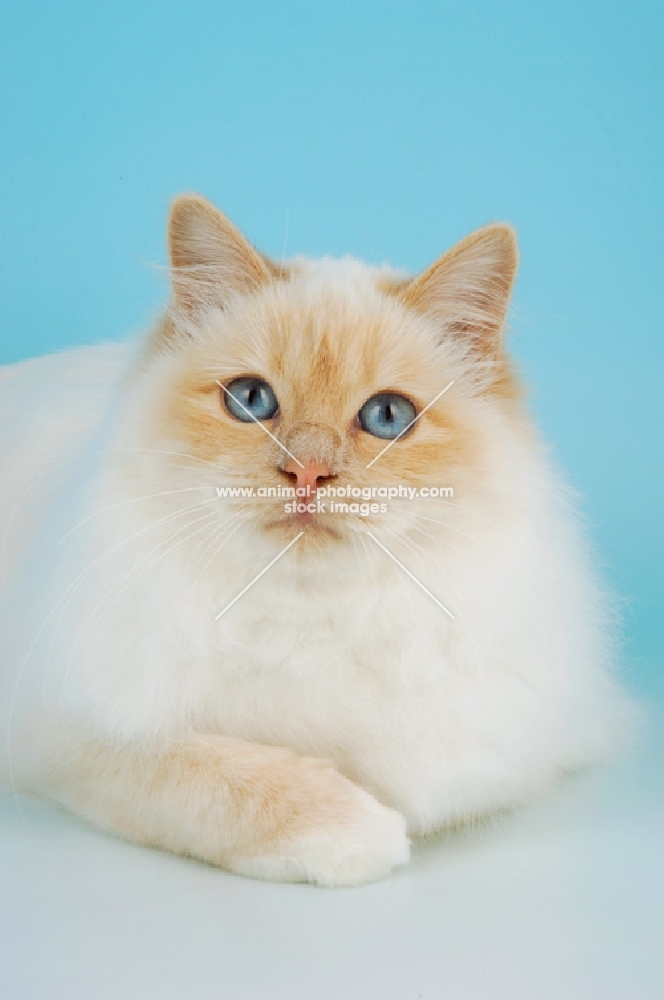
331, 373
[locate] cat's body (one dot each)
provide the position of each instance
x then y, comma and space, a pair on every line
134, 694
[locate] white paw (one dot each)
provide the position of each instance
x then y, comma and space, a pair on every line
344, 838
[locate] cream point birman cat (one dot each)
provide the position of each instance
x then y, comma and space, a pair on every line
292, 696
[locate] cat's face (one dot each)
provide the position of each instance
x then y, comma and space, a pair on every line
331, 374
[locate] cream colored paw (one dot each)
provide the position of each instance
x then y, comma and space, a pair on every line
343, 836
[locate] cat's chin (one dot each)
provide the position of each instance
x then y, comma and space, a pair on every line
313, 528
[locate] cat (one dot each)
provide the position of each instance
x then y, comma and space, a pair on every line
295, 693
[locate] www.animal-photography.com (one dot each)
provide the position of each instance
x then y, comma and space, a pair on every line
331, 494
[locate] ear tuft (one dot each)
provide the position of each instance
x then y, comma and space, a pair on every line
211, 261
466, 291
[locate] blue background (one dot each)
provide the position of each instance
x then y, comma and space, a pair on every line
386, 130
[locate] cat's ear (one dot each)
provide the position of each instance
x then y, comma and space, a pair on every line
211, 261
466, 291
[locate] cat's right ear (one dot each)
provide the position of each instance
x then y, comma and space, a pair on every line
211, 261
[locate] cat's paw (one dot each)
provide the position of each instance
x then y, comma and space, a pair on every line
339, 835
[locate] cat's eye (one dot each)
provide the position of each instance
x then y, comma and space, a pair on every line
250, 399
386, 415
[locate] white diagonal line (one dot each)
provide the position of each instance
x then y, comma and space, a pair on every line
217, 617
408, 573
407, 428
261, 425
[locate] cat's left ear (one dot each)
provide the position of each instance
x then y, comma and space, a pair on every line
466, 291
210, 259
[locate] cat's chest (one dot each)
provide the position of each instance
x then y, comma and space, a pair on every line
324, 663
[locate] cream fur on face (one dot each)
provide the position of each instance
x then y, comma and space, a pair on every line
397, 669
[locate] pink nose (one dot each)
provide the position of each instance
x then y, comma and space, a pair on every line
309, 475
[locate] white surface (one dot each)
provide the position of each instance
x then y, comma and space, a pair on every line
563, 900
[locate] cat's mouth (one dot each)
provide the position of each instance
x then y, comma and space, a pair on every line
311, 523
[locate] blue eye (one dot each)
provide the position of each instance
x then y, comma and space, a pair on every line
386, 415
250, 399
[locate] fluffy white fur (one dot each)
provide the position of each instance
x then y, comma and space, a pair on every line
124, 699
